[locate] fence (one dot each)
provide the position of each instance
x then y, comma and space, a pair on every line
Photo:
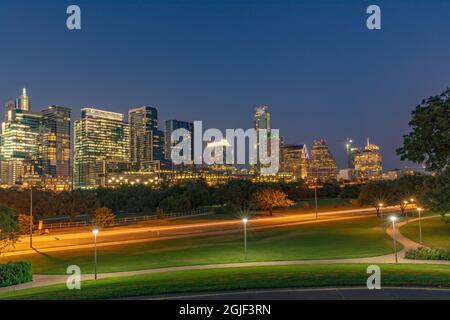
128, 220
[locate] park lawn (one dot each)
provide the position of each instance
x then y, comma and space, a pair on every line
328, 240
435, 232
241, 279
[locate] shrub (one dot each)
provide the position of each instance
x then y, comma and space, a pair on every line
427, 254
15, 273
104, 217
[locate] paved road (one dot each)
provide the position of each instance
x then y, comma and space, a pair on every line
315, 294
155, 231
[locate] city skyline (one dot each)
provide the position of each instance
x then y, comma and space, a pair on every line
335, 81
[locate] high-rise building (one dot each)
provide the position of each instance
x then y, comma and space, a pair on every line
56, 142
23, 102
261, 122
169, 144
368, 162
146, 141
295, 160
322, 165
102, 145
20, 142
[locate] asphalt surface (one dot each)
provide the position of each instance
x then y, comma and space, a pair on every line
393, 293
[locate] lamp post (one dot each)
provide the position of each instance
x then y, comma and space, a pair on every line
315, 197
420, 224
95, 232
31, 216
393, 219
380, 205
245, 220
405, 203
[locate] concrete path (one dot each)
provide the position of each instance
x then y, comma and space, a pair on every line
350, 293
45, 280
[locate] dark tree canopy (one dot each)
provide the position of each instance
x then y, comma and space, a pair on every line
429, 140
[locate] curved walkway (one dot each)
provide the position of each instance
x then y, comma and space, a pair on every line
46, 280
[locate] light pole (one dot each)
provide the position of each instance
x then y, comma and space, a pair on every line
315, 197
31, 216
381, 204
95, 232
405, 203
393, 219
245, 220
420, 224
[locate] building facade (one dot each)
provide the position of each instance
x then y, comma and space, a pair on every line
56, 143
169, 144
20, 143
368, 162
261, 121
146, 141
295, 160
102, 146
322, 165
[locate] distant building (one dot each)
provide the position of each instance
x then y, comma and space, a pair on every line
261, 121
169, 144
20, 142
146, 141
347, 175
368, 162
322, 164
392, 174
219, 151
295, 160
102, 146
56, 143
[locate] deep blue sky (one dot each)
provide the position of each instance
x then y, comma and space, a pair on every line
315, 64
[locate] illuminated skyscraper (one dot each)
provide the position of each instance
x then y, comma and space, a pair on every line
295, 160
146, 141
102, 145
20, 142
170, 127
56, 142
261, 121
322, 164
23, 102
368, 162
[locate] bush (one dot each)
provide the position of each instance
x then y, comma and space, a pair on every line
15, 273
24, 223
427, 254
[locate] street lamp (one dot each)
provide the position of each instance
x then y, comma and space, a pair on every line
405, 203
31, 217
420, 224
245, 220
393, 219
95, 232
381, 204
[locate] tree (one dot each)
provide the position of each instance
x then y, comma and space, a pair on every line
331, 189
267, 199
9, 229
437, 193
429, 141
406, 188
376, 194
104, 217
24, 223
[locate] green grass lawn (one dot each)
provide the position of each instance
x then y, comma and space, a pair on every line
241, 278
435, 232
344, 239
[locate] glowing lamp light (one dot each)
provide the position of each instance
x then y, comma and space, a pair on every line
95, 231
245, 220
393, 218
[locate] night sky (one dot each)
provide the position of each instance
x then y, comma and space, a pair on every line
314, 63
